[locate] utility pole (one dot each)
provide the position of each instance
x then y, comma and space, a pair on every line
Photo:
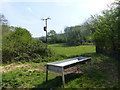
45, 28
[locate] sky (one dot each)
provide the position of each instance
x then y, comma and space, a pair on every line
63, 13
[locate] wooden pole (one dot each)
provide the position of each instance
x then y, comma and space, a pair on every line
46, 39
45, 29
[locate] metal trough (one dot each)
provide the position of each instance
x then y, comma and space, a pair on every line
60, 66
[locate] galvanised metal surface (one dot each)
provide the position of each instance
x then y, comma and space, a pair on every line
59, 66
69, 61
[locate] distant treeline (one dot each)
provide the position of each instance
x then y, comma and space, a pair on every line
75, 35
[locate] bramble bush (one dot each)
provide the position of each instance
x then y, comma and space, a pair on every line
18, 45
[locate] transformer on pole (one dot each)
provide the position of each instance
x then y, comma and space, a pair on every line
45, 28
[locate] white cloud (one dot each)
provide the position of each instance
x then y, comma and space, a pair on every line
63, 1
96, 5
36, 34
29, 9
30, 22
6, 0
26, 0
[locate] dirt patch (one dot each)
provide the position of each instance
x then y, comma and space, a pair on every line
23, 65
11, 67
37, 69
31, 70
7, 68
2, 70
74, 69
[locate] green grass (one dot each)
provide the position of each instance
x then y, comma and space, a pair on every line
62, 49
23, 78
101, 73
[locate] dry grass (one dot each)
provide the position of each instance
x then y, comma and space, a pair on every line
11, 67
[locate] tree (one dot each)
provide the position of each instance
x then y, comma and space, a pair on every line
51, 33
76, 35
3, 25
52, 36
107, 31
3, 20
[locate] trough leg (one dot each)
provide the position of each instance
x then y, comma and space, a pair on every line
46, 73
63, 77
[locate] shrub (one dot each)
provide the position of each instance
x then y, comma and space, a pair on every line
18, 45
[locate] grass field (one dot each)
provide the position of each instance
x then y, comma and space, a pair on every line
101, 73
62, 49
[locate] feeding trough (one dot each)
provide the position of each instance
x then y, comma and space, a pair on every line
60, 66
